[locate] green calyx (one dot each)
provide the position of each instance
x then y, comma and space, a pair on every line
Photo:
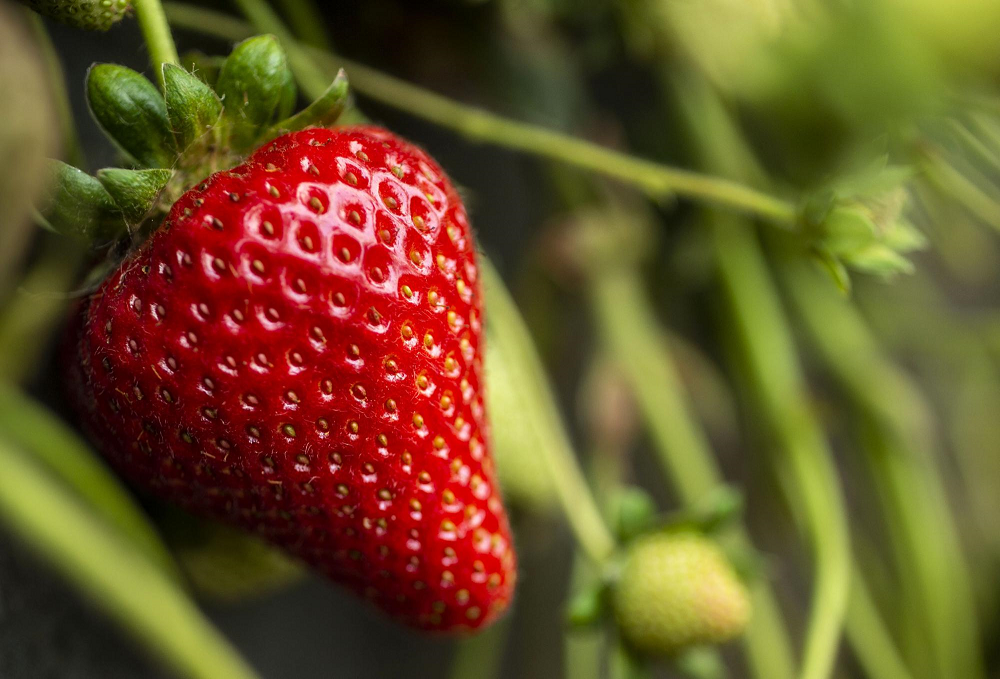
860, 224
676, 591
172, 140
89, 15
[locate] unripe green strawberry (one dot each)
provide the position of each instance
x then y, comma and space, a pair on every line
89, 15
677, 590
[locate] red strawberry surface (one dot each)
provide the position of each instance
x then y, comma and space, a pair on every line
298, 351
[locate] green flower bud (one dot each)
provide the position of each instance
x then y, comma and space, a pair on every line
860, 224
675, 591
90, 15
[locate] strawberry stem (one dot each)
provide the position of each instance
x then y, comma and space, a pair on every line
156, 33
929, 554
658, 180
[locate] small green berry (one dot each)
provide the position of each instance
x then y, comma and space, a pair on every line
676, 591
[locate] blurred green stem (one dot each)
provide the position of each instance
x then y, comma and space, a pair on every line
632, 336
951, 182
36, 431
307, 23
156, 33
807, 468
770, 360
900, 435
875, 649
113, 574
658, 180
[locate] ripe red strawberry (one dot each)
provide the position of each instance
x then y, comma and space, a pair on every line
298, 351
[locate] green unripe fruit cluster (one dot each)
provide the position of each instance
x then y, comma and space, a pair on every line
89, 15
676, 591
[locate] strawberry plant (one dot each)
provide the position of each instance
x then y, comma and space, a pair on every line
685, 365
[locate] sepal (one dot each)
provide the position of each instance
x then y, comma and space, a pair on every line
289, 97
132, 112
252, 83
321, 113
193, 108
134, 192
78, 205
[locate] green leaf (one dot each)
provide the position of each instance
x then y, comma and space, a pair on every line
78, 205
33, 429
111, 572
322, 112
225, 564
134, 191
132, 112
193, 108
251, 84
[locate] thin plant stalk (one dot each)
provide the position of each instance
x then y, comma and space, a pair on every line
928, 550
35, 308
770, 362
658, 180
481, 656
807, 470
875, 648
